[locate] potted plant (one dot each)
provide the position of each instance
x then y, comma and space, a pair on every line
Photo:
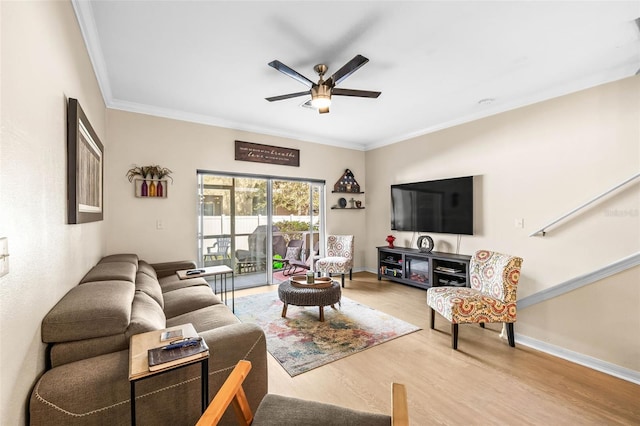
144, 172
160, 173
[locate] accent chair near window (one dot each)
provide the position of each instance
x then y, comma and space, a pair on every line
339, 258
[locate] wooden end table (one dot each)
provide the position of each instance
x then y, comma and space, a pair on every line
139, 362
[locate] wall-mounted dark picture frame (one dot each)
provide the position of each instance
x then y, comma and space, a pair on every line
85, 164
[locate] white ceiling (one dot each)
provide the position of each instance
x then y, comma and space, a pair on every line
433, 61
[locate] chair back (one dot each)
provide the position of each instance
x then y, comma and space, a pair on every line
495, 274
340, 246
294, 250
223, 244
220, 246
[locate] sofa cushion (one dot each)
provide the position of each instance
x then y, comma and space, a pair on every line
90, 310
146, 315
124, 257
150, 286
183, 300
146, 268
172, 282
204, 319
122, 271
66, 352
169, 268
277, 410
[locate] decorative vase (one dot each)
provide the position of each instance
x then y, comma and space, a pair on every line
152, 189
144, 189
390, 239
159, 190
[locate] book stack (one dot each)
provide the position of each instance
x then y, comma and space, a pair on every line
177, 352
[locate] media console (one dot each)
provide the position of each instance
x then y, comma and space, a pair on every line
424, 270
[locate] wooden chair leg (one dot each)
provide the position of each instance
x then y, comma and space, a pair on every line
433, 317
322, 313
284, 310
510, 335
350, 274
342, 280
454, 336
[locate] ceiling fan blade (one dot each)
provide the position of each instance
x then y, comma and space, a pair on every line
348, 69
357, 93
288, 96
323, 110
291, 73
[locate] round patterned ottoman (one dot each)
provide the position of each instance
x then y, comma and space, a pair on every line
298, 296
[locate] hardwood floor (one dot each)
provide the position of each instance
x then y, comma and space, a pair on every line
485, 382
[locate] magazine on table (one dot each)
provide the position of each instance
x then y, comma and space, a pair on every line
177, 352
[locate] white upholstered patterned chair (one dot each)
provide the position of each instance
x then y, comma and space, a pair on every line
492, 297
339, 258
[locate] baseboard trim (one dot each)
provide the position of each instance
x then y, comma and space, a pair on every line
578, 358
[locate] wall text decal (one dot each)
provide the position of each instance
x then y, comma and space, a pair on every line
257, 153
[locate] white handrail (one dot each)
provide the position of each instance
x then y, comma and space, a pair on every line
543, 230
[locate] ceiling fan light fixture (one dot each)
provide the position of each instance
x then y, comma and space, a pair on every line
321, 96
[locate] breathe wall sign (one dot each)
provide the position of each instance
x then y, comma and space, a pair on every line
257, 153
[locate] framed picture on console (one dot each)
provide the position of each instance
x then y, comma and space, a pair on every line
85, 163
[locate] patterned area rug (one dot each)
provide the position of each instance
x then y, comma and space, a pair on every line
301, 343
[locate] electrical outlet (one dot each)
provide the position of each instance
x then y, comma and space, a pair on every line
159, 224
4, 256
519, 223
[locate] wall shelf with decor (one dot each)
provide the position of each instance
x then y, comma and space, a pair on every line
150, 181
342, 204
155, 188
347, 184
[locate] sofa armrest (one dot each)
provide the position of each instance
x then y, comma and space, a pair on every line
169, 268
96, 391
228, 345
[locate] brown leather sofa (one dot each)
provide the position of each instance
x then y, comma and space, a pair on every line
88, 333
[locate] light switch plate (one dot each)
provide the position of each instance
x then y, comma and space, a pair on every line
4, 256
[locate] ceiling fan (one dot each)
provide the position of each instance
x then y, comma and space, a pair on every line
322, 91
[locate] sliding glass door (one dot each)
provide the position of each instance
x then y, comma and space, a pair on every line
296, 208
247, 222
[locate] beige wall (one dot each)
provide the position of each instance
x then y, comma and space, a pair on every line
186, 147
537, 163
601, 320
44, 62
534, 163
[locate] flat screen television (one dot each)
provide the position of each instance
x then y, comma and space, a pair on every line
443, 206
